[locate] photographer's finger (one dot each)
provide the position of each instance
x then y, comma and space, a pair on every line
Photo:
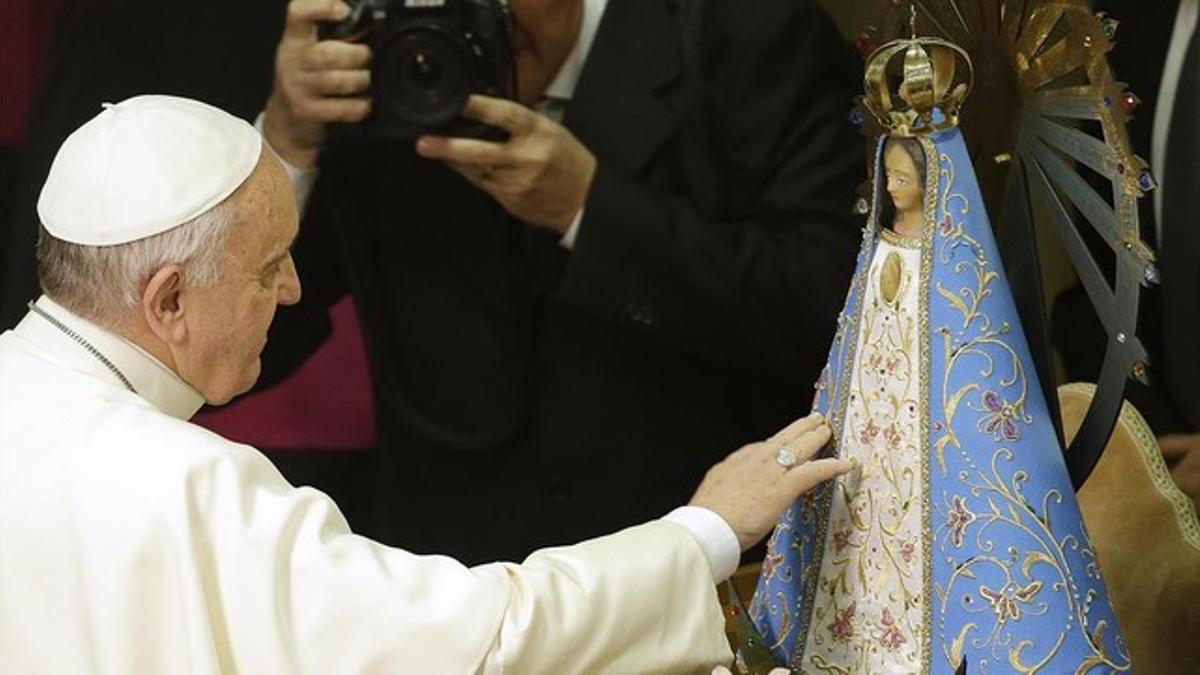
336, 55
303, 14
805, 477
348, 109
511, 116
471, 172
340, 82
468, 151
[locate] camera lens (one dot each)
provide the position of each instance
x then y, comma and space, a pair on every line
425, 75
423, 71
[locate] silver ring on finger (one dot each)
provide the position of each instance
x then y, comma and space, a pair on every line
785, 458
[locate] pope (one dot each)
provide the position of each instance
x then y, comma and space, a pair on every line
132, 541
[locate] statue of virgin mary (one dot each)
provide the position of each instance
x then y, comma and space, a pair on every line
956, 545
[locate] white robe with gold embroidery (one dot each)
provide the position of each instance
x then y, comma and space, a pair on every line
869, 609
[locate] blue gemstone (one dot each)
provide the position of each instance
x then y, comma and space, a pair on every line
856, 117
1145, 181
1107, 101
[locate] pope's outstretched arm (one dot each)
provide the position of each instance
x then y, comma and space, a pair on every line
132, 541
640, 600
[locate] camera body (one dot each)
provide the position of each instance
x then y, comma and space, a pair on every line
428, 57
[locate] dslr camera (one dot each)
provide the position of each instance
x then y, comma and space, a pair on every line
428, 57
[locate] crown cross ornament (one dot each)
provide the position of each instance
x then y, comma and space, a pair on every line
907, 80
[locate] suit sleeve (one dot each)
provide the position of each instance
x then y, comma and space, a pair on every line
297, 586
751, 278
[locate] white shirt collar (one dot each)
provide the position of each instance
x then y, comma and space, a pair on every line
563, 86
151, 380
1187, 19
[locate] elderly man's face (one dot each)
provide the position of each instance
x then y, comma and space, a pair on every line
228, 321
544, 34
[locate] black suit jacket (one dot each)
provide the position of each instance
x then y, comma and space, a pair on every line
528, 395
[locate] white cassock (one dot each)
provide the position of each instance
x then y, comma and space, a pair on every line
132, 541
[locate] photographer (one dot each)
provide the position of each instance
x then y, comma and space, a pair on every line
661, 243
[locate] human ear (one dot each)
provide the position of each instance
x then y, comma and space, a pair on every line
162, 308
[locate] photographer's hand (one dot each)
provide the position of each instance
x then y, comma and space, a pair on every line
315, 82
541, 175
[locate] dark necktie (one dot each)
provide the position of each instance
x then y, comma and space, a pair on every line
1179, 250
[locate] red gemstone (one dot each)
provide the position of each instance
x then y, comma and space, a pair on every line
864, 43
734, 612
1130, 103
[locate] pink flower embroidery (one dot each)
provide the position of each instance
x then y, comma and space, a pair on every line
1001, 418
771, 565
894, 437
869, 432
892, 638
842, 629
907, 549
874, 361
1008, 600
958, 519
947, 225
841, 539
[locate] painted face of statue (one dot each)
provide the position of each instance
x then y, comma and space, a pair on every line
904, 164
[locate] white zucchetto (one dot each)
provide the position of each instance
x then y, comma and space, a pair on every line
144, 166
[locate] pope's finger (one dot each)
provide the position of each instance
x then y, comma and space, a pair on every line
805, 477
795, 429
809, 443
511, 116
463, 151
302, 14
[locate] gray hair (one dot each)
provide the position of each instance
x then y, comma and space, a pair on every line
103, 283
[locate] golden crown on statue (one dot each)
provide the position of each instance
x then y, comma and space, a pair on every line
907, 80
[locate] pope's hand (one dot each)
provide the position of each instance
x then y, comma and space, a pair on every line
541, 175
316, 82
750, 489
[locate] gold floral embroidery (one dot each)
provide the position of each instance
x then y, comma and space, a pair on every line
977, 341
868, 610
